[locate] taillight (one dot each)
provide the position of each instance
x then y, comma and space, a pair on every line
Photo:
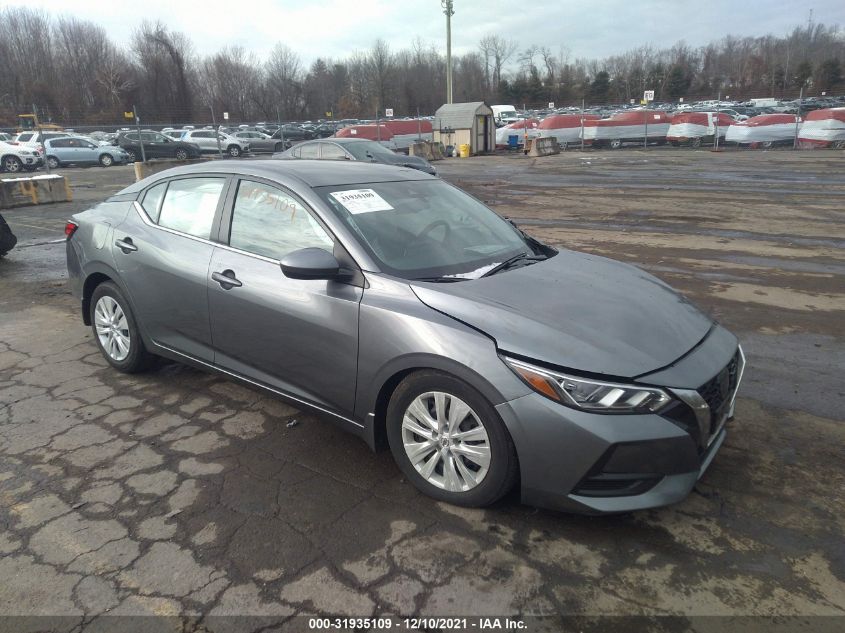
70, 228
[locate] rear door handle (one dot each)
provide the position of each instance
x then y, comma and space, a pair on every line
227, 279
126, 245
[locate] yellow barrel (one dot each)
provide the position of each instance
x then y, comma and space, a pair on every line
464, 150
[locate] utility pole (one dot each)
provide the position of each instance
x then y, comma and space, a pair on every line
37, 123
449, 11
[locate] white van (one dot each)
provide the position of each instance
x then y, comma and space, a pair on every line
504, 114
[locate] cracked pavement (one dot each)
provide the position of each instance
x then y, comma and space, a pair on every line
180, 493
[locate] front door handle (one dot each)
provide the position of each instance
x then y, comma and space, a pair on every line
227, 279
126, 245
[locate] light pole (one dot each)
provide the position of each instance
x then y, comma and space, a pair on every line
449, 11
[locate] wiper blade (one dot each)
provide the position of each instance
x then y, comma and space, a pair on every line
527, 257
442, 280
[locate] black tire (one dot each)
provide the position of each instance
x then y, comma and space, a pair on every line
234, 151
767, 144
7, 238
131, 153
615, 144
106, 160
53, 162
504, 466
695, 143
12, 164
138, 358
839, 145
279, 147
181, 154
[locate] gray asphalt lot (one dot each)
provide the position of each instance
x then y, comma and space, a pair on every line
179, 493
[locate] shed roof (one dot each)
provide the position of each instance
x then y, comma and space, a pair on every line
459, 116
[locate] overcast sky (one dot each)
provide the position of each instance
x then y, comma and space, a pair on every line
336, 28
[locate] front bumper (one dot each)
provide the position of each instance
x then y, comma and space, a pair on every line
590, 463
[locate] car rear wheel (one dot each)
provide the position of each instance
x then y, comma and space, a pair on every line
53, 162
695, 142
449, 441
615, 143
106, 160
234, 151
12, 164
116, 330
130, 155
181, 154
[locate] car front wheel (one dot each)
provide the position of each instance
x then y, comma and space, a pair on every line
234, 151
449, 441
116, 330
53, 162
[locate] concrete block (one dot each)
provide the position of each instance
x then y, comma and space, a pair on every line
31, 190
544, 146
155, 165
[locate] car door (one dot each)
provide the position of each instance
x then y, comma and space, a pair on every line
162, 251
297, 336
88, 152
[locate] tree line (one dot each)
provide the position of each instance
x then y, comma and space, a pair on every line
76, 74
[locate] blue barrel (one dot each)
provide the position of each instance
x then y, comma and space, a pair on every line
513, 141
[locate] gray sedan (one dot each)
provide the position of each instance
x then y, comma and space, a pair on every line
410, 314
261, 143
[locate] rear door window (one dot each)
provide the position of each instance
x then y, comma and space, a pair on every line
310, 150
331, 151
190, 204
152, 200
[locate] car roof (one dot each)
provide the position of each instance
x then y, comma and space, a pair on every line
311, 173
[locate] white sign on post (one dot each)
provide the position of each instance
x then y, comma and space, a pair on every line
551, 105
388, 112
633, 101
681, 100
225, 116
648, 95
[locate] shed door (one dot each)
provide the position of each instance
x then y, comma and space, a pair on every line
479, 143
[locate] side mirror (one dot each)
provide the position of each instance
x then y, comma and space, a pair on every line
312, 263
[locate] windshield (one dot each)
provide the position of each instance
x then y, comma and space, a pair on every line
360, 149
425, 229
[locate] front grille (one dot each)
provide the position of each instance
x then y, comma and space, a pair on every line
718, 391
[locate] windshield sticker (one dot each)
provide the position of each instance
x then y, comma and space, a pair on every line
361, 201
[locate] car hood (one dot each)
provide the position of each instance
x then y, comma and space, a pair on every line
576, 311
414, 162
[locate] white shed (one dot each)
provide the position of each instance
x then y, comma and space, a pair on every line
459, 123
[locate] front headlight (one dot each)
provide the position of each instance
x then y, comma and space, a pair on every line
587, 394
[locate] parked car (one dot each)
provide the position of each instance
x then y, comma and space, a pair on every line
76, 150
156, 145
17, 158
403, 309
207, 140
36, 139
260, 143
5, 137
355, 149
7, 238
293, 133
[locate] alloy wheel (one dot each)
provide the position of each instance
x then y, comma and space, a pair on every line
12, 164
112, 328
53, 163
446, 442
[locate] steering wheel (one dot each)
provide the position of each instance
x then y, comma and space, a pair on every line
428, 229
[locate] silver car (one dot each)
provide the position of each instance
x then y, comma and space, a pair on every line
208, 142
410, 314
